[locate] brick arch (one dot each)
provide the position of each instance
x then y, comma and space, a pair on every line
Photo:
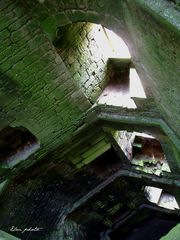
66, 17
54, 14
110, 14
105, 17
83, 48
97, 12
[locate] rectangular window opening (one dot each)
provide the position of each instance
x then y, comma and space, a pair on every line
161, 198
143, 151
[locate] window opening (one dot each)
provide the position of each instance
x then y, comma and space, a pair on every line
86, 49
148, 155
143, 151
119, 48
16, 144
124, 82
161, 197
136, 88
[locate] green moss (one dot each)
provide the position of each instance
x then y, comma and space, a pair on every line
50, 27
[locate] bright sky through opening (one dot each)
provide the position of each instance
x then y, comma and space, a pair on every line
118, 49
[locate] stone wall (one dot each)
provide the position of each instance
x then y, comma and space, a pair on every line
36, 89
125, 140
84, 48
